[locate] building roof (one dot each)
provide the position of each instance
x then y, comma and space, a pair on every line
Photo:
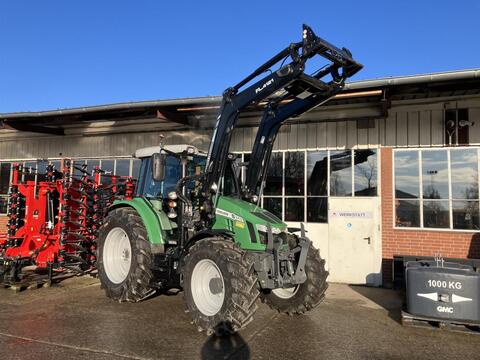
174, 114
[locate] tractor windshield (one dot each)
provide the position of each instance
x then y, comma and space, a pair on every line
156, 189
152, 189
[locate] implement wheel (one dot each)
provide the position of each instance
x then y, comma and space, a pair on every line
124, 257
220, 287
304, 297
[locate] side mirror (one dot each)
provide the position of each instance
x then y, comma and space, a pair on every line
158, 166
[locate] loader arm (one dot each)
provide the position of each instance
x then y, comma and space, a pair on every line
289, 80
275, 114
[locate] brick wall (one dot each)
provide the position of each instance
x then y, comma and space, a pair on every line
455, 244
3, 224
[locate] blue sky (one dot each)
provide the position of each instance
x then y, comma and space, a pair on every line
58, 54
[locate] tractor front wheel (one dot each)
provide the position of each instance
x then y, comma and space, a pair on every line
124, 257
220, 287
304, 297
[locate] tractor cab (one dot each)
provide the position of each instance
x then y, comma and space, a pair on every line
163, 167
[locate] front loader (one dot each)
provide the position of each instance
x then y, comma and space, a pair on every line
193, 225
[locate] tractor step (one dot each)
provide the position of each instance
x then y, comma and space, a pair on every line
439, 324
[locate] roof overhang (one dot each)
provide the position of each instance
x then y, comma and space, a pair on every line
177, 114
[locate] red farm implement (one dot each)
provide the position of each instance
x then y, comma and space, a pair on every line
53, 218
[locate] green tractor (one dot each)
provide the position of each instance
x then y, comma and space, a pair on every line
194, 225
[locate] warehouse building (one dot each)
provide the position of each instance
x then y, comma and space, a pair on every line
387, 169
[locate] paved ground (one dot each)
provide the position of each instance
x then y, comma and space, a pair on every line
75, 320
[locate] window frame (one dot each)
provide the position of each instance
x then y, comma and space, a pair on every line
305, 195
421, 200
75, 158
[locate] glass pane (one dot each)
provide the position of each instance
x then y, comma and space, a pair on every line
341, 173
294, 173
30, 169
273, 183
136, 168
294, 209
4, 177
274, 205
464, 165
406, 174
3, 206
92, 164
78, 164
173, 173
122, 167
56, 164
465, 215
229, 185
151, 188
246, 159
435, 174
435, 214
317, 209
365, 172
107, 166
42, 169
407, 213
317, 172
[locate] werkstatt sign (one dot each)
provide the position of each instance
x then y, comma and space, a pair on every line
350, 214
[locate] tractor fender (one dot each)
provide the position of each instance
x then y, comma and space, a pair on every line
151, 219
208, 233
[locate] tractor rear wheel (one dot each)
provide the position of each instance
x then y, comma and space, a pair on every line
220, 286
124, 256
304, 297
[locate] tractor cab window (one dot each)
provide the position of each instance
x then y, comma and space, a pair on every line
173, 173
230, 183
152, 189
197, 166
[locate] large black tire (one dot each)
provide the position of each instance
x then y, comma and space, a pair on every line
305, 296
136, 285
240, 284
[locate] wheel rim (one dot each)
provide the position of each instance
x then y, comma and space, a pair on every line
208, 287
286, 293
117, 255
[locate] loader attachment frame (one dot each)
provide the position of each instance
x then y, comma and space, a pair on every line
288, 92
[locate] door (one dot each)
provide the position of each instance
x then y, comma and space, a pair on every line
354, 241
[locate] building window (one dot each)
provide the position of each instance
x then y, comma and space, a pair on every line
317, 186
437, 188
136, 168
122, 167
5, 170
37, 168
341, 173
273, 188
299, 183
457, 126
294, 182
365, 172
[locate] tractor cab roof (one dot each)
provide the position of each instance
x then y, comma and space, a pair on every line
176, 149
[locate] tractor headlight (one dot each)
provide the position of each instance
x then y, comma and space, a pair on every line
172, 214
172, 204
172, 195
